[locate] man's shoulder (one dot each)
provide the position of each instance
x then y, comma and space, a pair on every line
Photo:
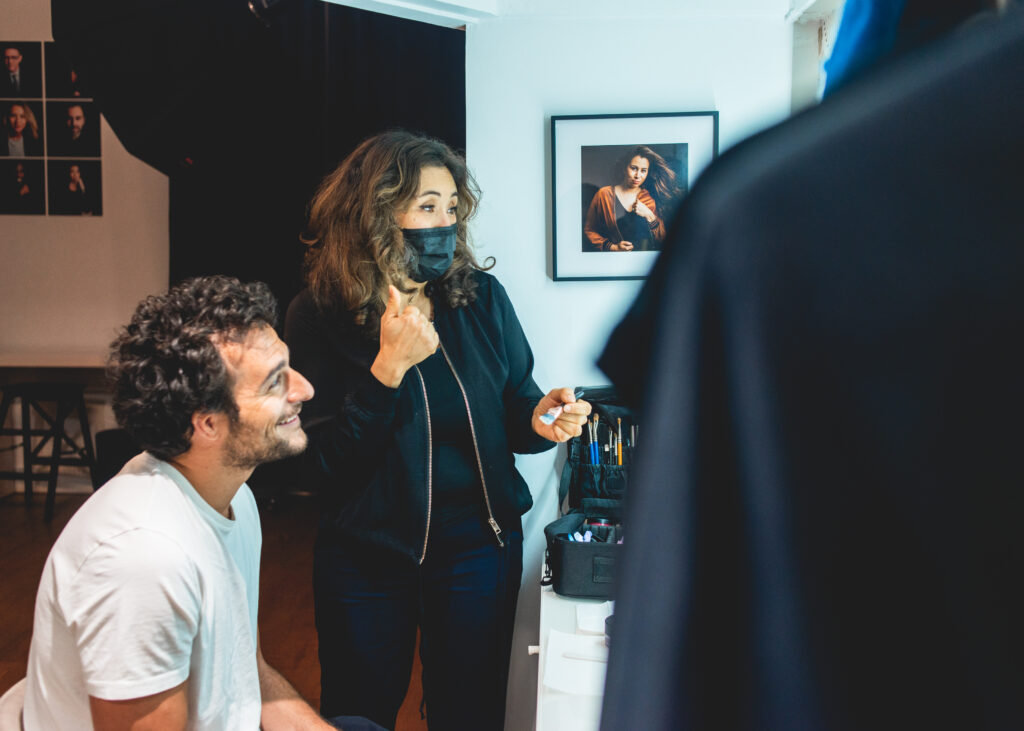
141, 558
141, 497
143, 480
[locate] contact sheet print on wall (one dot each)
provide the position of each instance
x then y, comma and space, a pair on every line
50, 161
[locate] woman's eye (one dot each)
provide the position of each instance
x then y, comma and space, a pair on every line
427, 208
452, 211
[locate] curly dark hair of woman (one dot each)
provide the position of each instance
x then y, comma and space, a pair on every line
661, 179
165, 365
356, 248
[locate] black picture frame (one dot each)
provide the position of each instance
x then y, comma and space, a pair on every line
590, 221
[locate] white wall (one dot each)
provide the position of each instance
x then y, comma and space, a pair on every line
67, 283
588, 57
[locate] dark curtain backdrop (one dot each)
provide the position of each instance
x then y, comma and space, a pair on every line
245, 119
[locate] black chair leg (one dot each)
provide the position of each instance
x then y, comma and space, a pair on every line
26, 447
63, 450
5, 405
58, 437
90, 455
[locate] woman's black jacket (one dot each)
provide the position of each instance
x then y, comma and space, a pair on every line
371, 444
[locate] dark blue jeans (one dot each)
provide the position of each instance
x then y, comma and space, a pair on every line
463, 598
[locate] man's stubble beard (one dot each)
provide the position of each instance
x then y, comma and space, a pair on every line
247, 450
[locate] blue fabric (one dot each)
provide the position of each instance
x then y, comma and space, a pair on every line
867, 32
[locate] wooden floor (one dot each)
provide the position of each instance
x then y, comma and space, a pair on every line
287, 632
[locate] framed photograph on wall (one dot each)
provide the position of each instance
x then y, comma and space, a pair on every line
616, 181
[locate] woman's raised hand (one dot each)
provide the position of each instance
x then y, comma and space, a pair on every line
407, 337
642, 210
569, 422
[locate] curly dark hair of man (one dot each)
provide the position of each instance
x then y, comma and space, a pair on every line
165, 365
356, 248
661, 179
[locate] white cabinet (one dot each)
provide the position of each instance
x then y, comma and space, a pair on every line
558, 710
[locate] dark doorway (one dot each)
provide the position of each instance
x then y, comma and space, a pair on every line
246, 116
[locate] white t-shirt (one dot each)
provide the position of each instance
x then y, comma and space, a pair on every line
146, 586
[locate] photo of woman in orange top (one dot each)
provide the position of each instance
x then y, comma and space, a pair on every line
629, 215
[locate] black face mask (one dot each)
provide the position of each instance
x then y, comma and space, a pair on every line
434, 249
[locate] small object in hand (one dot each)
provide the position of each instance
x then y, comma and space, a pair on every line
549, 416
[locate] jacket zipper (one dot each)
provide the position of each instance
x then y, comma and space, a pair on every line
430, 465
476, 450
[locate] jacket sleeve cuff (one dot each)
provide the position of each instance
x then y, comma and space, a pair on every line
374, 396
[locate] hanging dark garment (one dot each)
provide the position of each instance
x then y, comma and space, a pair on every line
829, 363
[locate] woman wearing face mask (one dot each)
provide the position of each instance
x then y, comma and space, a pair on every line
629, 216
424, 390
22, 138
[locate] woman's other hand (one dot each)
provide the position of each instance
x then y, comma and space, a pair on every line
407, 337
642, 210
622, 246
569, 423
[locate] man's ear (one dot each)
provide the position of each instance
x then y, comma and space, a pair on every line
209, 427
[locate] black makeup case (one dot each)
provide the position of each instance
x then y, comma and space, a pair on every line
590, 499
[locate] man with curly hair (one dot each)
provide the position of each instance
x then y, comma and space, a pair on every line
146, 612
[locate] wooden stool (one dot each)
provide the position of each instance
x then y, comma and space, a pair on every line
67, 398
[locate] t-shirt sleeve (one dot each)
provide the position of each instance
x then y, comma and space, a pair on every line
133, 609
